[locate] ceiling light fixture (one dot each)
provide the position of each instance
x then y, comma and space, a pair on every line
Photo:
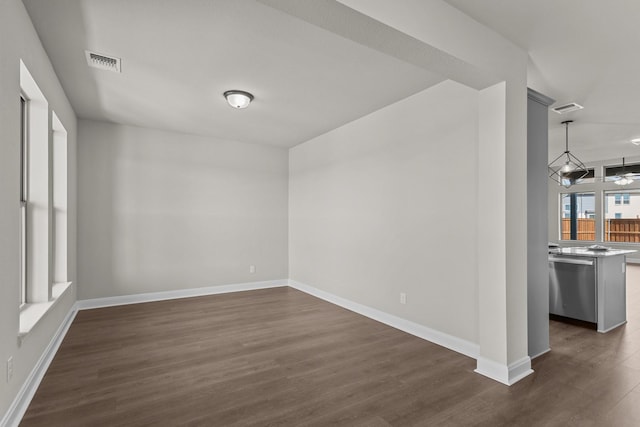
238, 98
624, 178
635, 141
566, 169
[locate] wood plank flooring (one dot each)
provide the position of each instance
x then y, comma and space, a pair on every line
281, 357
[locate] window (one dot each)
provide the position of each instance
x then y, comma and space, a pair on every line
43, 205
604, 213
621, 199
622, 217
59, 223
611, 173
572, 178
24, 183
36, 190
578, 216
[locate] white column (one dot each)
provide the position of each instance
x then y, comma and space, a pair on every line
502, 236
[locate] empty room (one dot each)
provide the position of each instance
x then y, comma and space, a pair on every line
319, 212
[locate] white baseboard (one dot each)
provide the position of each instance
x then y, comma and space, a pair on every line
16, 411
502, 373
506, 374
445, 340
182, 293
541, 353
604, 331
20, 404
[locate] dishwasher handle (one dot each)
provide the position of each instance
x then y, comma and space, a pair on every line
567, 260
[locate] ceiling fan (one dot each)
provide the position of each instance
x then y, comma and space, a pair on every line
622, 175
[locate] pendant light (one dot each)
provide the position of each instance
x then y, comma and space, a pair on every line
566, 169
624, 178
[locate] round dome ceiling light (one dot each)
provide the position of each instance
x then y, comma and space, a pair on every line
238, 98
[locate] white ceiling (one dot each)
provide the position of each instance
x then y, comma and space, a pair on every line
586, 51
179, 56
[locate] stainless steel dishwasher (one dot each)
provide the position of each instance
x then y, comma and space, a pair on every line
572, 287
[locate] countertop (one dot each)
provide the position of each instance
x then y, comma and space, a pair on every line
582, 251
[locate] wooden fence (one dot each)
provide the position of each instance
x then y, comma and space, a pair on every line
615, 230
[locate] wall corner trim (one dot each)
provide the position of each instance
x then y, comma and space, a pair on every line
87, 304
505, 374
451, 342
20, 404
539, 98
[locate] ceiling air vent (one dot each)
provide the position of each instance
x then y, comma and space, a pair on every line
567, 108
102, 62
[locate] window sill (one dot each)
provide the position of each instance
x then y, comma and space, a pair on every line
31, 314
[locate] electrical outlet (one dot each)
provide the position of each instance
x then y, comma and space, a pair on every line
403, 298
9, 368
252, 269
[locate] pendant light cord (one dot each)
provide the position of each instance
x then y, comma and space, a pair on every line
566, 135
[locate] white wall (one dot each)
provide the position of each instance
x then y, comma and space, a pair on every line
387, 204
502, 169
18, 40
165, 211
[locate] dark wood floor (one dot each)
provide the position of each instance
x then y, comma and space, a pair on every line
281, 357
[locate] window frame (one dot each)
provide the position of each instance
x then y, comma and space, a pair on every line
601, 185
589, 178
611, 171
621, 200
24, 197
39, 170
587, 215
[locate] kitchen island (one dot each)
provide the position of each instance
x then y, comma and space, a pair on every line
589, 285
